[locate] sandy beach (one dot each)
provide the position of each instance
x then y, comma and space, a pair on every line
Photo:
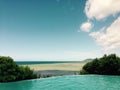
46, 70
58, 66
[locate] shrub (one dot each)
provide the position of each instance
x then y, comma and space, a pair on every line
10, 71
107, 65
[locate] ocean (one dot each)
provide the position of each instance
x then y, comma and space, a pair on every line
43, 62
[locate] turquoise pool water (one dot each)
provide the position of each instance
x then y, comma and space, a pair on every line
84, 82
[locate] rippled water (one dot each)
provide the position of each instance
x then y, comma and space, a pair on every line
85, 82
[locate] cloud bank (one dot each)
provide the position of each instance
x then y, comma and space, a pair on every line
100, 9
110, 39
107, 37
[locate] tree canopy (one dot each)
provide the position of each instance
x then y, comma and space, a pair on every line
10, 71
107, 65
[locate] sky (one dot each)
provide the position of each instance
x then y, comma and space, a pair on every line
62, 30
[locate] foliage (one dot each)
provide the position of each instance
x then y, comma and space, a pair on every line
10, 71
83, 72
107, 65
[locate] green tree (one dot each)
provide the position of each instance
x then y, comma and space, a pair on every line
10, 71
107, 65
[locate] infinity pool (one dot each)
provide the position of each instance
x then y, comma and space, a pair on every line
80, 82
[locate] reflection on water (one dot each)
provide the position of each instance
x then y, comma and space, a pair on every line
85, 82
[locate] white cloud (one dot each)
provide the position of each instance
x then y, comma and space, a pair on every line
109, 38
100, 9
86, 26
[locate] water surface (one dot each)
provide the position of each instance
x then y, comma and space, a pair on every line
43, 62
83, 82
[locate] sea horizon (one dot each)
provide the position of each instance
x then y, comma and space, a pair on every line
44, 62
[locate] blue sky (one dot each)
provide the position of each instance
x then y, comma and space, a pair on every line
51, 30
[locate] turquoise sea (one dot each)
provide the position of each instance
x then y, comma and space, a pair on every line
78, 82
43, 62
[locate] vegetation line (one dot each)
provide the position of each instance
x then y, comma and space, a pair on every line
10, 71
107, 65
